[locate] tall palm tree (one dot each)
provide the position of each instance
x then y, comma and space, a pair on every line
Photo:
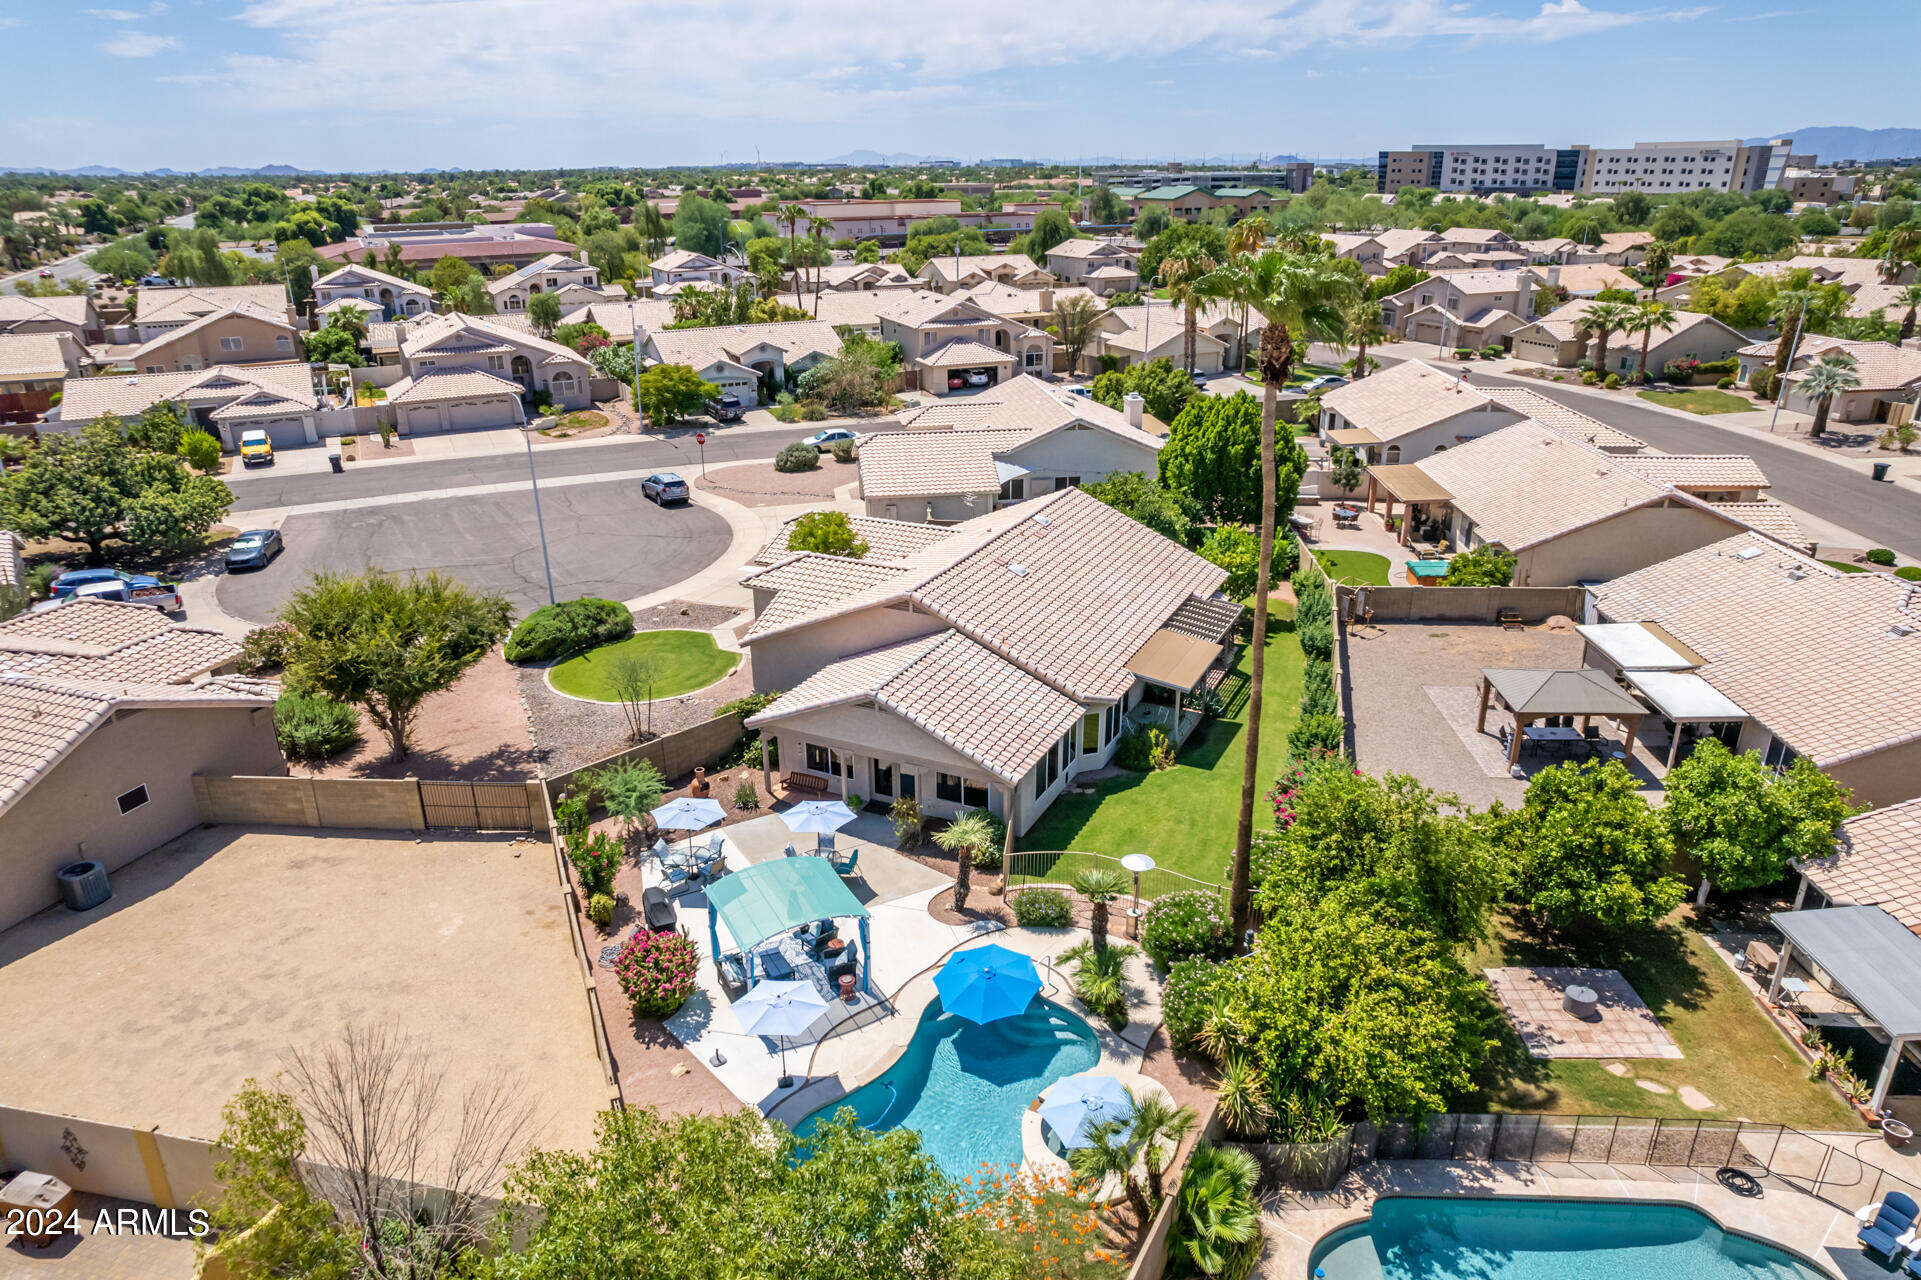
1183, 270
1110, 1153
1365, 329
1904, 246
1100, 886
1602, 319
1826, 380
1158, 1129
1909, 297
1246, 237
1651, 316
1217, 1205
1291, 294
791, 214
968, 833
1657, 259
1790, 305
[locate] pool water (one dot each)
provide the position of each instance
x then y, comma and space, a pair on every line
1514, 1238
963, 1086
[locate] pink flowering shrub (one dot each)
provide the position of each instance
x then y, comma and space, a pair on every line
656, 970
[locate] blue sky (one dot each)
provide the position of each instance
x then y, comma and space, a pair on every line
409, 84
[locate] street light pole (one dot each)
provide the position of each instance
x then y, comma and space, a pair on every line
539, 522
1781, 392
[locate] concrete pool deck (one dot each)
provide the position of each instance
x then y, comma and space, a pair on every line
1817, 1230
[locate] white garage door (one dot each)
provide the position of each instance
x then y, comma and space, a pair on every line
285, 433
747, 389
1207, 361
423, 418
498, 412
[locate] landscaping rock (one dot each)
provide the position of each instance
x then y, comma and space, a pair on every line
1694, 1100
1652, 1087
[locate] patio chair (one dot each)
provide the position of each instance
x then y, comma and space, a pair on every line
788, 852
824, 843
847, 965
848, 866
658, 911
1883, 1225
732, 968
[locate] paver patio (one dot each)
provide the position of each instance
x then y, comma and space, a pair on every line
1624, 1026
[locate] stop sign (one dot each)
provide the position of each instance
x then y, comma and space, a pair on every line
700, 437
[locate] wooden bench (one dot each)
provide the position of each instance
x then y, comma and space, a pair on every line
1511, 619
806, 782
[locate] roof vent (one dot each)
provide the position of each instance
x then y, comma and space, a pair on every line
1043, 521
1900, 629
1795, 575
1749, 554
1018, 570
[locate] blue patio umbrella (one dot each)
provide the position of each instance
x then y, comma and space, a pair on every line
687, 813
782, 1009
987, 983
1074, 1104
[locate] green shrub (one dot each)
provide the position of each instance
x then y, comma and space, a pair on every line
1316, 734
1612, 382
1287, 556
1318, 675
1763, 383
630, 788
556, 630
1881, 556
600, 909
1589, 378
746, 794
200, 449
1319, 702
988, 856
1317, 639
797, 457
843, 450
656, 970
813, 412
1725, 382
313, 727
572, 813
1493, 351
1042, 908
1909, 572
1187, 998
596, 857
265, 649
1180, 926
1464, 353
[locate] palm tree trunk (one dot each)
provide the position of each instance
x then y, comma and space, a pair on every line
1647, 336
1188, 351
1820, 418
793, 243
963, 876
1360, 359
1601, 353
1907, 324
1276, 355
1097, 925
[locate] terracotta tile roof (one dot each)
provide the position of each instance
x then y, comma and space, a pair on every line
886, 539
964, 353
1474, 235
1699, 470
63, 308
1789, 639
436, 386
354, 272
1881, 366
1403, 398
620, 318
1398, 240
951, 688
1556, 416
808, 582
1089, 249
245, 310
177, 306
925, 464
1524, 484
1586, 277
917, 307
89, 398
1876, 863
700, 349
31, 355
944, 267
13, 571
1007, 300
1769, 517
1112, 271
682, 260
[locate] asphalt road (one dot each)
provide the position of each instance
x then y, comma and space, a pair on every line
604, 540
73, 267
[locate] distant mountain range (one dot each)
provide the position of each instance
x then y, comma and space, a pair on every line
1831, 143
223, 171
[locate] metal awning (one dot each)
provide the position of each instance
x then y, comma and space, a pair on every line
1174, 660
1636, 646
1206, 618
1869, 954
1407, 482
1583, 692
1353, 437
1010, 471
1682, 695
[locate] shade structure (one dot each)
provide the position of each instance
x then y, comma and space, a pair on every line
817, 816
1074, 1104
757, 902
1873, 959
779, 1008
1638, 646
1579, 692
687, 813
987, 983
1682, 695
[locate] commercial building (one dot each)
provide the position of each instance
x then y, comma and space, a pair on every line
1481, 167
1665, 167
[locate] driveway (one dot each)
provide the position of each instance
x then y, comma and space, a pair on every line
604, 540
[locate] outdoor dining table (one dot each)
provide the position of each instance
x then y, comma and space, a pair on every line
1551, 733
1349, 514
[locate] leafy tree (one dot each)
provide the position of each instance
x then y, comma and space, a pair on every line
1676, 222
334, 344
1588, 848
701, 225
1397, 280
1365, 328
1144, 499
201, 451
268, 1219
1210, 242
867, 252
670, 392
450, 274
96, 219
845, 1203
1743, 824
1165, 388
1152, 221
158, 429
543, 311
1213, 455
1239, 552
98, 485
828, 532
1634, 207
385, 643
1076, 319
1345, 469
857, 378
1488, 565
1832, 376
1106, 209
584, 337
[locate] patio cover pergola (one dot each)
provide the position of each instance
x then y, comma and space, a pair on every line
771, 898
1873, 958
1684, 698
1532, 694
1406, 483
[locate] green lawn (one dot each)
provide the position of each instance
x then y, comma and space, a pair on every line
1731, 1051
1308, 370
1358, 568
1845, 567
683, 661
1704, 400
1185, 816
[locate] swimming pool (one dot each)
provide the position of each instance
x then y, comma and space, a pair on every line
963, 1085
1516, 1238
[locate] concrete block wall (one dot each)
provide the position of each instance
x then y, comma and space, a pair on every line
380, 804
674, 754
1463, 604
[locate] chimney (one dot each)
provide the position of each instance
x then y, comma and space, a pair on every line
1047, 300
1554, 276
1132, 402
1525, 303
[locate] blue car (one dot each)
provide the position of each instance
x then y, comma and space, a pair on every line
664, 487
70, 583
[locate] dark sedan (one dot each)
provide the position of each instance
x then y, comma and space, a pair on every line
664, 487
254, 548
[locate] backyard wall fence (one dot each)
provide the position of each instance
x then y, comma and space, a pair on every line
370, 804
1459, 604
674, 754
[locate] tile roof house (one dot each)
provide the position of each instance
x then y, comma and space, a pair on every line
1403, 245
683, 268
1586, 279
944, 273
466, 371
388, 295
243, 333
988, 667
73, 314
1813, 657
1409, 410
1486, 302
1887, 374
32, 368
574, 282
737, 357
949, 343
854, 277
886, 540
1562, 339
224, 401
1876, 863
1139, 333
159, 310
1616, 249
1076, 262
107, 711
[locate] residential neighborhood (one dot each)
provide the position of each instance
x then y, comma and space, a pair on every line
1016, 671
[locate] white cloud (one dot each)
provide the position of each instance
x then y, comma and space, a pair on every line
137, 44
115, 15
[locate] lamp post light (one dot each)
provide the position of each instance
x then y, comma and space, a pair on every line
527, 435
1137, 863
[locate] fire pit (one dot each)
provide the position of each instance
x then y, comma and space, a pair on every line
1582, 1002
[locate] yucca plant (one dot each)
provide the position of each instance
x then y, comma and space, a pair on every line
1100, 979
1242, 1096
1218, 1038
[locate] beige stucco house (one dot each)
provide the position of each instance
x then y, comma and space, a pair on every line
736, 358
948, 339
161, 310
33, 366
680, 268
240, 334
466, 371
73, 314
225, 400
1104, 267
1889, 377
385, 296
1445, 301
574, 282
107, 711
945, 273
1562, 338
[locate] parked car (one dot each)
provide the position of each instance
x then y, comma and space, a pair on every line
1326, 382
978, 378
664, 487
117, 584
725, 407
255, 447
829, 438
46, 273
956, 381
254, 549
1085, 392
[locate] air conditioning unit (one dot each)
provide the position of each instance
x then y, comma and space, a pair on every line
83, 885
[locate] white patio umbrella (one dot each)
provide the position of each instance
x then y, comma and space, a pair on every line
1074, 1104
817, 816
687, 813
777, 1008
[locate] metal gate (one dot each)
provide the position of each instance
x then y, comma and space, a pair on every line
493, 806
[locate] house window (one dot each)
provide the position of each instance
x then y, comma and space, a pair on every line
1780, 756
948, 787
973, 794
1033, 358
156, 368
1091, 731
562, 383
1066, 482
909, 784
496, 362
131, 800
822, 760
283, 343
232, 344
1113, 726
1014, 490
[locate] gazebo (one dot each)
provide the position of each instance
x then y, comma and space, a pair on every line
771, 898
1873, 959
1531, 694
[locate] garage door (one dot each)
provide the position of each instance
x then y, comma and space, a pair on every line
497, 412
1207, 361
423, 418
286, 433
747, 389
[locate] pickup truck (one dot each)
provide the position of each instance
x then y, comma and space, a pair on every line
117, 584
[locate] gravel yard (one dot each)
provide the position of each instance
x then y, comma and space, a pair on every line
757, 484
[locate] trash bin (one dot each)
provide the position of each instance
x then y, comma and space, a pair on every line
1881, 471
334, 459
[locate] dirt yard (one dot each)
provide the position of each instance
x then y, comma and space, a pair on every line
473, 732
757, 484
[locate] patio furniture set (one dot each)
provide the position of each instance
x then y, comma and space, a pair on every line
1563, 741
844, 864
1891, 1229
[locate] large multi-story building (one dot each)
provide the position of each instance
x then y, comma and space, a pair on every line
1478, 168
1294, 176
1672, 167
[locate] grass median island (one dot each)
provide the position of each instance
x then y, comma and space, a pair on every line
1355, 568
1702, 400
683, 661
